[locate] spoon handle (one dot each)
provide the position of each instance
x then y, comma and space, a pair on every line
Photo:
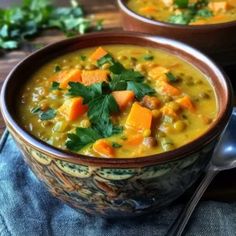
179, 225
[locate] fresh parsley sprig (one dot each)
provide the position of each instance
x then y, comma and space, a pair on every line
19, 23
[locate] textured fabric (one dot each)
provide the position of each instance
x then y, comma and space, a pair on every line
27, 209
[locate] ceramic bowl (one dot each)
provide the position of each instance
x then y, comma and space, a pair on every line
217, 40
116, 187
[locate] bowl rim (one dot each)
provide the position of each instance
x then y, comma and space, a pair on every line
160, 158
133, 14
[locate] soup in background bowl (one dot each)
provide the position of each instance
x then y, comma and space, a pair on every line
40, 91
194, 24
200, 12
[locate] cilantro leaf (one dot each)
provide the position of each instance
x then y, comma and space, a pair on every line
117, 84
47, 115
140, 89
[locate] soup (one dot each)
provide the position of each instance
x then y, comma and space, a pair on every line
117, 101
186, 12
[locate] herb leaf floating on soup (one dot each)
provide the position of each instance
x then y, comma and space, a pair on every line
186, 12
117, 101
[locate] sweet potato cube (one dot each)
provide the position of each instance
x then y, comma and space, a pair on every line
186, 103
123, 98
232, 3
103, 148
169, 89
73, 108
139, 118
218, 6
99, 53
158, 71
64, 77
94, 76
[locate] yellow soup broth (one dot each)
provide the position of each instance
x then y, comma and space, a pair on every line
117, 101
186, 12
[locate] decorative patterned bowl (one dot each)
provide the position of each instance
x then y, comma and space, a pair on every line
217, 40
116, 187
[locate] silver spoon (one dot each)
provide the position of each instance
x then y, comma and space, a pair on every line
223, 158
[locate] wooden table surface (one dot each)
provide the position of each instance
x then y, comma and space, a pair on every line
222, 188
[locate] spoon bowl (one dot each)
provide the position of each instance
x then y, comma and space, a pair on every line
223, 158
224, 155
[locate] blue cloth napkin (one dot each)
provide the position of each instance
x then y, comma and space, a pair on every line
27, 209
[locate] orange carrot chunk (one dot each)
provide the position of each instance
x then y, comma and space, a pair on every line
64, 77
169, 89
139, 118
103, 148
93, 76
186, 103
73, 108
123, 98
99, 53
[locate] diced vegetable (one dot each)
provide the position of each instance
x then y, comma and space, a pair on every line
186, 103
99, 53
134, 140
158, 71
103, 148
139, 118
66, 76
168, 111
232, 3
169, 89
73, 108
94, 76
123, 98
218, 6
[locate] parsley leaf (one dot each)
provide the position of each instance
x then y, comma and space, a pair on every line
47, 115
148, 57
116, 145
105, 59
204, 13
140, 89
33, 16
81, 138
87, 92
171, 77
57, 68
55, 86
181, 3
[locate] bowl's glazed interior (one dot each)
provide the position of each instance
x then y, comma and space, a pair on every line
116, 187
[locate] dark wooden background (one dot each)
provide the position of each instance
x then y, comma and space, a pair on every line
223, 187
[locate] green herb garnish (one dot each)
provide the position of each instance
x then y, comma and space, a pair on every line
55, 86
148, 57
181, 3
83, 58
116, 145
47, 115
57, 68
21, 22
171, 78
